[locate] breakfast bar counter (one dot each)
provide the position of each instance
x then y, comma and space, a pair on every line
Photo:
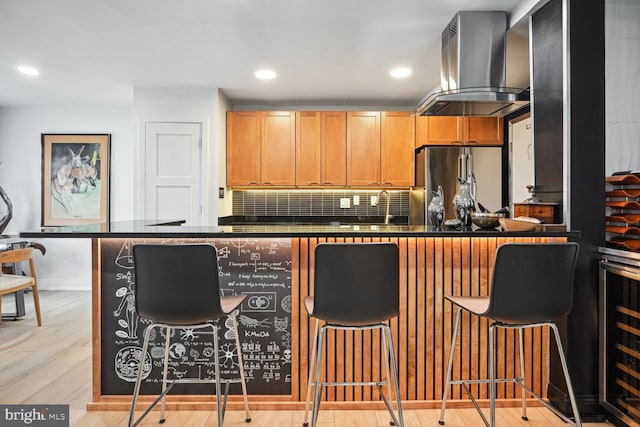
273, 265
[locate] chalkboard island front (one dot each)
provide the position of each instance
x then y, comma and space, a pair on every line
273, 265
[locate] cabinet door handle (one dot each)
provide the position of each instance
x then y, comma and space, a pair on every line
473, 142
314, 183
456, 142
374, 183
253, 183
327, 183
267, 183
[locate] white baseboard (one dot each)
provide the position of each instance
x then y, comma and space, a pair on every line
64, 285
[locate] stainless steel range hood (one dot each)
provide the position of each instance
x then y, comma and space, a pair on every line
473, 69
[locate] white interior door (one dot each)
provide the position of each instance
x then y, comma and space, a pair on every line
173, 171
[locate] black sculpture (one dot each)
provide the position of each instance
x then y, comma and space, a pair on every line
5, 219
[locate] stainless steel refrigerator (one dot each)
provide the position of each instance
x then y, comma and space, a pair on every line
443, 165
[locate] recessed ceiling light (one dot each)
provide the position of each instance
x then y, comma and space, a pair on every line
400, 72
265, 74
28, 70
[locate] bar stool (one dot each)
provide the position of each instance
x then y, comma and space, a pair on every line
10, 283
532, 286
356, 289
177, 287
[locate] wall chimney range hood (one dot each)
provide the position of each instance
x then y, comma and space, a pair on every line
473, 69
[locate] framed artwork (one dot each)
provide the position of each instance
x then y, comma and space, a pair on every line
75, 179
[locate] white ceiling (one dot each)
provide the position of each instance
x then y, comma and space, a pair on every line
326, 52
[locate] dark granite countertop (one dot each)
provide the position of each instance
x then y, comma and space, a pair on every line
141, 228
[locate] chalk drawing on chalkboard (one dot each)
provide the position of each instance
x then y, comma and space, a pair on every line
127, 304
223, 253
207, 352
230, 333
125, 256
286, 339
239, 244
188, 334
157, 352
227, 356
286, 303
127, 363
177, 350
286, 355
281, 323
250, 322
259, 301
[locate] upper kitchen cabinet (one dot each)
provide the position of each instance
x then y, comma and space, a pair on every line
278, 148
456, 130
483, 130
260, 148
445, 130
397, 149
321, 153
363, 148
243, 147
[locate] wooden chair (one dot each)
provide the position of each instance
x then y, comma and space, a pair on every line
10, 283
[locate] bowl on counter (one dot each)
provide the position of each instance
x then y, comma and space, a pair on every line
520, 223
486, 219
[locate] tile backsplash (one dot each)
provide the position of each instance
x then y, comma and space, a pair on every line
316, 203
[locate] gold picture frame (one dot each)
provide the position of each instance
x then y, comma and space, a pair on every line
75, 179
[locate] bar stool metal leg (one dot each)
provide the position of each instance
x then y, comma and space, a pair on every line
312, 361
217, 373
447, 382
572, 397
136, 388
492, 376
400, 421
243, 381
164, 372
522, 376
317, 384
385, 350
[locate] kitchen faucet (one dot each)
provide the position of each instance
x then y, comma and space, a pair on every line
387, 216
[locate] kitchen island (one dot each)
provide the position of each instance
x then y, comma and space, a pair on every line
273, 264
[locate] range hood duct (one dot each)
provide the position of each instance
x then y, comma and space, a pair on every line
473, 69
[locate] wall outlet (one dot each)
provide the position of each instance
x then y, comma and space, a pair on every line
374, 200
345, 202
356, 200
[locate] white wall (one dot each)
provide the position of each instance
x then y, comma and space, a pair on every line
192, 105
622, 64
67, 264
224, 205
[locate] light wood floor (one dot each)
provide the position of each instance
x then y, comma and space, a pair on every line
52, 365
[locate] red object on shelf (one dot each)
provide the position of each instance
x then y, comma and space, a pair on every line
627, 244
623, 179
624, 192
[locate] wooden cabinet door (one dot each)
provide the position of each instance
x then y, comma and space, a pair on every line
444, 130
278, 148
422, 131
243, 148
483, 131
334, 148
397, 149
308, 148
363, 148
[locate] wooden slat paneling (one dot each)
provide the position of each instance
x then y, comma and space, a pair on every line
429, 269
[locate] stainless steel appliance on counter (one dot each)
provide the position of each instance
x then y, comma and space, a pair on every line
442, 165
